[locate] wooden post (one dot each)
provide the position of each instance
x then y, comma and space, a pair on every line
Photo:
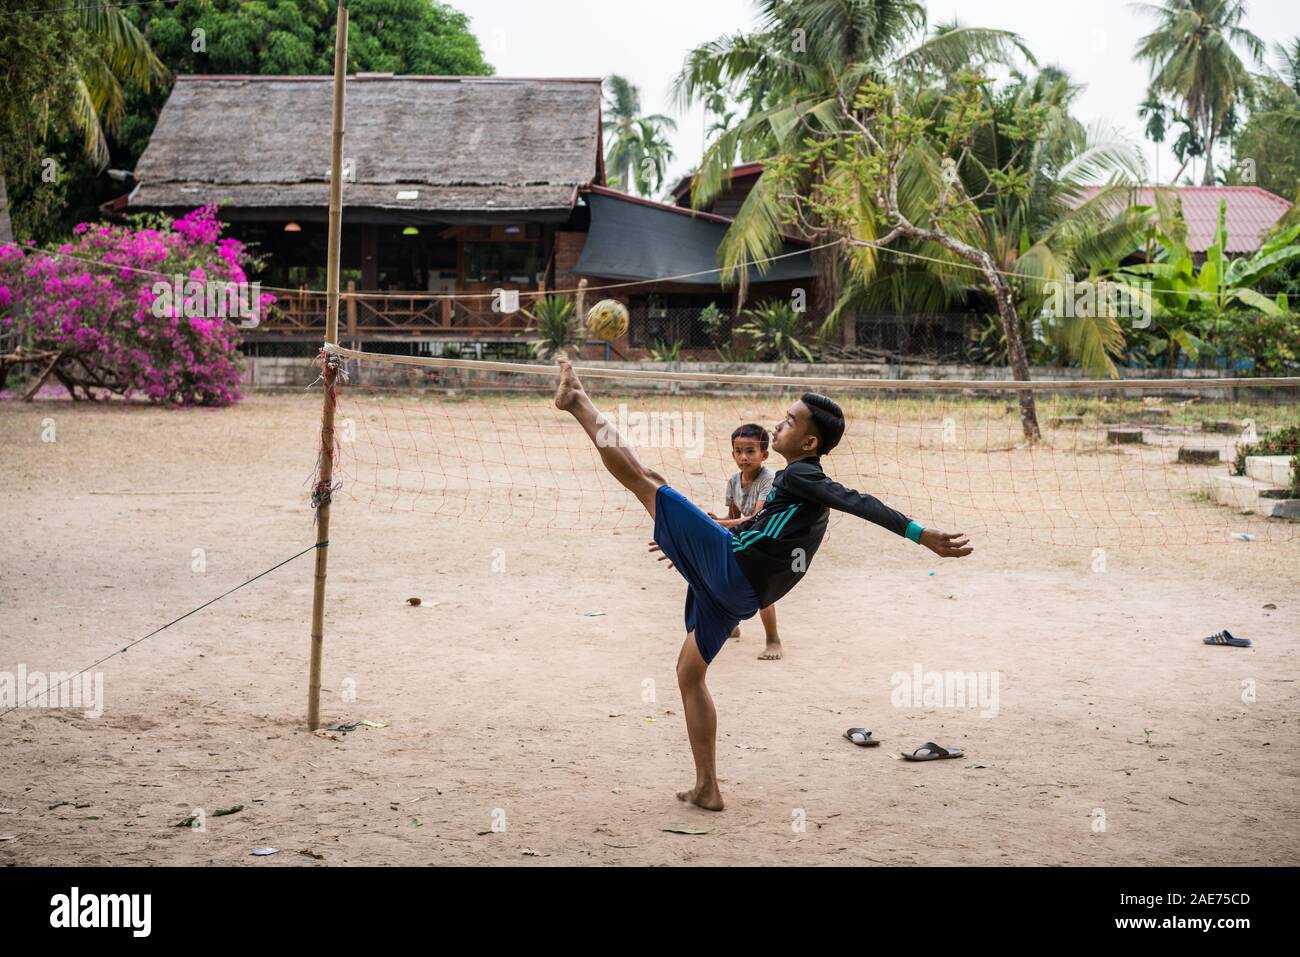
326, 475
352, 311
581, 299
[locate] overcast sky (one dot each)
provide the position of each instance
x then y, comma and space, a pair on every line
647, 41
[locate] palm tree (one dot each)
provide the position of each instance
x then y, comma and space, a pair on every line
637, 156
1050, 233
1156, 113
1041, 236
1288, 55
794, 68
118, 54
1193, 57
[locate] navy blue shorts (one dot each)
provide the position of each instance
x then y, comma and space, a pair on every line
719, 595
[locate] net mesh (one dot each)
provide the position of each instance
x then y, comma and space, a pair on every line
1114, 467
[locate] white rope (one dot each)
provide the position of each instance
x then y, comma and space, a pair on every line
949, 385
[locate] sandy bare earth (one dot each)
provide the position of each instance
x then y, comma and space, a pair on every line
530, 704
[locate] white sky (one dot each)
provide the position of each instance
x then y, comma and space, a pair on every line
1093, 40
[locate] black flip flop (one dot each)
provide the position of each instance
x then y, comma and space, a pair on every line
932, 753
861, 737
1226, 637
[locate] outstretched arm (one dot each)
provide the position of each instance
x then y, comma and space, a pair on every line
815, 485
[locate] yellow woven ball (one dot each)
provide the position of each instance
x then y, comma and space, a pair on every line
607, 319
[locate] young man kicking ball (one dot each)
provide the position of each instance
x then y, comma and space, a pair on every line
732, 573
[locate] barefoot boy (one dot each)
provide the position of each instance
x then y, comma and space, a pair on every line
733, 573
746, 493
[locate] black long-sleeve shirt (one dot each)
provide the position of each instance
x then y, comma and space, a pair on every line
775, 547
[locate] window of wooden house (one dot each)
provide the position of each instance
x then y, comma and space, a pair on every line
502, 262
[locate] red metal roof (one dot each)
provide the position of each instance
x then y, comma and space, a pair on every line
1252, 211
682, 191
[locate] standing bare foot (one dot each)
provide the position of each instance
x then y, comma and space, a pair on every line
735, 632
570, 389
709, 798
773, 650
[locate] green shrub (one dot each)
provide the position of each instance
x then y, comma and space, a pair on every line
775, 327
716, 325
552, 318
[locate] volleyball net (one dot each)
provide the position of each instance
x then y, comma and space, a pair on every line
1129, 463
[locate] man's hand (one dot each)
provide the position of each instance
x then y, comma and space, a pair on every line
662, 556
946, 544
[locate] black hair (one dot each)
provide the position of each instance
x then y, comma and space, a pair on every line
827, 420
751, 431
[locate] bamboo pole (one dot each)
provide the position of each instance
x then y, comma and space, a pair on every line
329, 372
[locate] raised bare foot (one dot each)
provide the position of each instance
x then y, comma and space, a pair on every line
708, 798
570, 388
773, 650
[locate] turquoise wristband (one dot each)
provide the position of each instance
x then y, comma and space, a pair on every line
914, 532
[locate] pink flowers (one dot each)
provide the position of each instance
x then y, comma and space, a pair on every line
101, 305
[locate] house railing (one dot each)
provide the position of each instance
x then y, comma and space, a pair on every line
365, 315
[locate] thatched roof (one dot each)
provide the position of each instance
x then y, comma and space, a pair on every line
469, 147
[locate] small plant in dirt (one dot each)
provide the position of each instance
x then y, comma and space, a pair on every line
552, 319
1284, 441
775, 328
661, 351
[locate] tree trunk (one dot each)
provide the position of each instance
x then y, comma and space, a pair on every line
1016, 355
826, 269
1207, 177
6, 227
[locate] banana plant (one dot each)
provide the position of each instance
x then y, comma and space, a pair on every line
1187, 300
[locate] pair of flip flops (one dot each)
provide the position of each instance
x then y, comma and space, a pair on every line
1226, 637
926, 752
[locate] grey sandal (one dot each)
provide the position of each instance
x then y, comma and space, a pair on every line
932, 752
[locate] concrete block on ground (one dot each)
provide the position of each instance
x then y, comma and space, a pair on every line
1222, 426
1241, 491
1284, 508
1273, 469
1191, 456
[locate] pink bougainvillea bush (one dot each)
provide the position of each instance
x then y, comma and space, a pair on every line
95, 300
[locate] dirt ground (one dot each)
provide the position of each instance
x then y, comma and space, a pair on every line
529, 702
